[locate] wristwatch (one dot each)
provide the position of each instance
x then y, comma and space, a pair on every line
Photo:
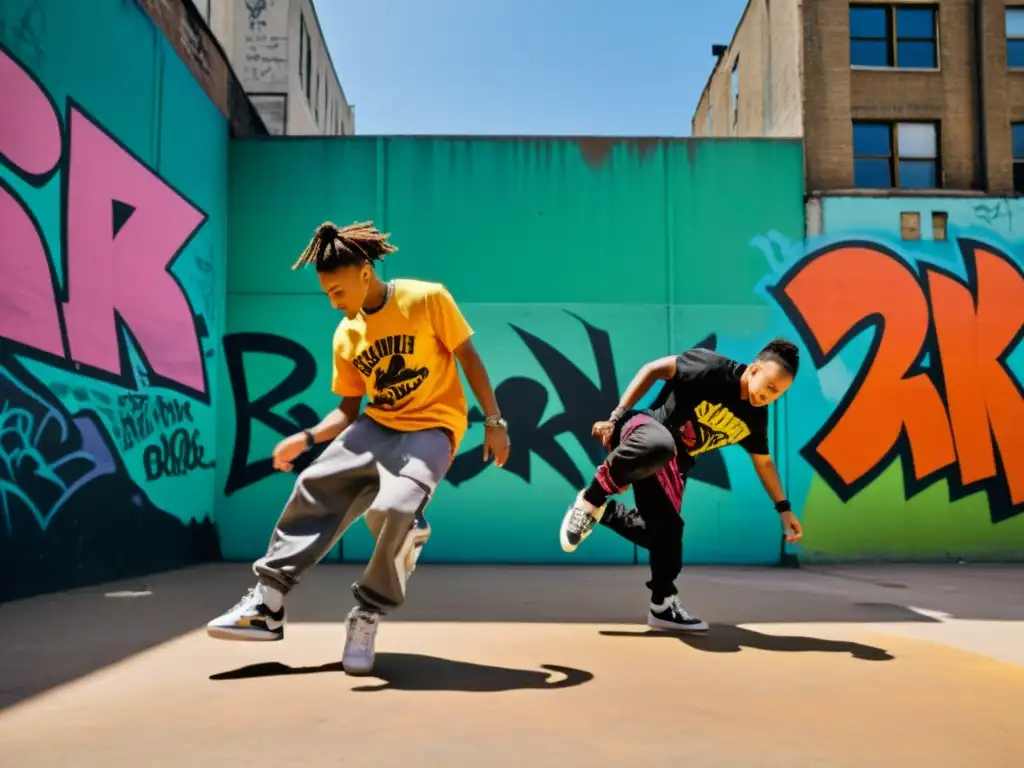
310, 442
496, 422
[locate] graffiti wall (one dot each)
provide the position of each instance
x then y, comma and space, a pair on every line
903, 440
112, 207
575, 262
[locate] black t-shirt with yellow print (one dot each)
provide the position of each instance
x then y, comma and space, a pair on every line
702, 406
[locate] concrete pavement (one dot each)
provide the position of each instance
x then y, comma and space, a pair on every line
893, 665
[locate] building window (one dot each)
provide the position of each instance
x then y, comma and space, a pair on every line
1015, 38
735, 95
309, 73
904, 37
305, 57
1018, 157
901, 155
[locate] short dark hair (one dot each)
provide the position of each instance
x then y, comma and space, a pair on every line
783, 352
332, 248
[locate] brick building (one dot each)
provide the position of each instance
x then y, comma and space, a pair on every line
909, 94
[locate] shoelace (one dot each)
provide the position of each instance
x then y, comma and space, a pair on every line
580, 519
361, 633
683, 613
249, 598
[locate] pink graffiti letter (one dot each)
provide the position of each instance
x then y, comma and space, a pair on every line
29, 141
124, 227
28, 309
29, 126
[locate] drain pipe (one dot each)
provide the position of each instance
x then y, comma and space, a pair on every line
981, 175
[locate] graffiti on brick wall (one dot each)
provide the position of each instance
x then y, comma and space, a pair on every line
102, 366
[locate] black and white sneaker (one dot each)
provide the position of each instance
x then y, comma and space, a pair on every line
671, 616
579, 522
259, 615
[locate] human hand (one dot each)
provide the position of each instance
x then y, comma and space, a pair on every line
794, 531
286, 451
602, 430
496, 444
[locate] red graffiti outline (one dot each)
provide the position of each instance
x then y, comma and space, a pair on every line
996, 487
126, 376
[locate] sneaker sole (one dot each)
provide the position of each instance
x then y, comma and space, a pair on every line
248, 634
669, 626
357, 671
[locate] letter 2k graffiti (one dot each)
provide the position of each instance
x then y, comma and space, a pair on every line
960, 418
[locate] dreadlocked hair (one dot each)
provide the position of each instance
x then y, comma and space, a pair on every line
331, 248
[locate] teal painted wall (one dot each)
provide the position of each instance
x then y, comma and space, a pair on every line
155, 344
575, 261
113, 193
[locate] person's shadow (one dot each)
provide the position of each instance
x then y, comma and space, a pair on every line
728, 638
416, 672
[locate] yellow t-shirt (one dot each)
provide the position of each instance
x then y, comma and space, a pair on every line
402, 358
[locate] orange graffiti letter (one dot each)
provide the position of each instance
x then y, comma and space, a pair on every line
973, 333
840, 293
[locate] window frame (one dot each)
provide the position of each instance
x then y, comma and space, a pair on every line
309, 71
734, 93
892, 38
302, 49
1016, 162
894, 157
1008, 37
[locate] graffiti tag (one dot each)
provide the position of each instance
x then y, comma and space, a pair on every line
523, 401
959, 417
142, 415
241, 471
122, 229
175, 455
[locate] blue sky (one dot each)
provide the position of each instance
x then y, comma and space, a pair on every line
557, 67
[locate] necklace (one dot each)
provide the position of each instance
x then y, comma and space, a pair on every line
388, 289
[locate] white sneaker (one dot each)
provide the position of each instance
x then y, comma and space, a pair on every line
579, 522
359, 652
671, 616
259, 615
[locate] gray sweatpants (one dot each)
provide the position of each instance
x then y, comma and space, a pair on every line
369, 469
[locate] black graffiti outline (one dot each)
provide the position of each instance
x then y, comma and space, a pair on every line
126, 375
996, 487
241, 471
523, 401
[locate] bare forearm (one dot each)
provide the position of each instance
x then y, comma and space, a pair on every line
335, 422
643, 381
769, 476
480, 383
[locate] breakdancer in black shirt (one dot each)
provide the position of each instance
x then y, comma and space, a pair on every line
707, 401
